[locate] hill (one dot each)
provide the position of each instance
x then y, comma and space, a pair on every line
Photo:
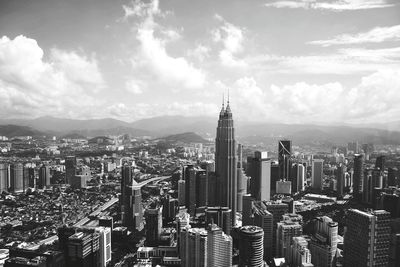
188, 137
16, 130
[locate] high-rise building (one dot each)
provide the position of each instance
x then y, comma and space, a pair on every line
16, 178
201, 188
193, 247
181, 192
301, 177
392, 175
241, 180
226, 161
274, 176
219, 247
358, 176
284, 154
340, 179
83, 250
317, 173
251, 246
153, 217
300, 254
105, 245
286, 230
44, 177
220, 216
380, 162
29, 177
260, 171
264, 219
3, 177
367, 238
247, 210
70, 168
323, 244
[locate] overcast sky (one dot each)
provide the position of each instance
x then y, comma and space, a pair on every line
302, 61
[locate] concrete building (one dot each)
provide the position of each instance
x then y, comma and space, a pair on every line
317, 173
3, 177
284, 155
219, 247
286, 230
44, 177
220, 216
358, 176
300, 254
16, 178
251, 244
259, 168
153, 217
367, 238
70, 168
193, 247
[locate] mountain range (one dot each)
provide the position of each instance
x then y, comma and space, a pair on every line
163, 126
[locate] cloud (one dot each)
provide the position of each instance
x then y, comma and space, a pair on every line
134, 86
31, 86
374, 98
376, 35
200, 53
153, 52
334, 5
232, 39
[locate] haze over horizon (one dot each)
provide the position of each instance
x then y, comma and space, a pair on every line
301, 61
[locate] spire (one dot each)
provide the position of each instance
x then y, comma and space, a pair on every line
223, 106
228, 108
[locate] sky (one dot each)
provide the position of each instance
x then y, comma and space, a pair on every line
305, 61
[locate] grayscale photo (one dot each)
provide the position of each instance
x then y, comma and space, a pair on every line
199, 133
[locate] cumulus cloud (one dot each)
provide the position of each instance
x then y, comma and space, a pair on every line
153, 51
31, 86
376, 35
334, 5
375, 98
232, 39
134, 86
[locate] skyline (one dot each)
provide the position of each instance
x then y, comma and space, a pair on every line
283, 61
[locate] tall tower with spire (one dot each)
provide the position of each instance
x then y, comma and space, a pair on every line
226, 161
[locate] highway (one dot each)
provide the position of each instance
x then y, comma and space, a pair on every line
104, 207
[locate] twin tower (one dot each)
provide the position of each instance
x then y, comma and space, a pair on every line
226, 163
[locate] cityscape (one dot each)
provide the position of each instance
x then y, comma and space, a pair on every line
138, 133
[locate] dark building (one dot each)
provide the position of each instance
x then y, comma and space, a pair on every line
153, 217
220, 216
284, 154
3, 177
131, 201
274, 177
380, 162
83, 250
16, 178
25, 262
358, 176
251, 246
226, 162
392, 176
367, 238
70, 168
44, 176
340, 178
170, 207
259, 168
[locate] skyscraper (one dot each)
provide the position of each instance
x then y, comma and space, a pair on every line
367, 238
241, 181
3, 177
153, 217
16, 178
251, 246
226, 161
284, 154
260, 183
286, 230
358, 175
193, 247
70, 168
220, 216
323, 243
300, 254
44, 176
131, 200
340, 177
219, 247
301, 177
317, 173
380, 162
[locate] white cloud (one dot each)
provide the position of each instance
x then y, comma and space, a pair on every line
376, 35
134, 86
200, 53
31, 86
335, 5
153, 52
232, 39
374, 99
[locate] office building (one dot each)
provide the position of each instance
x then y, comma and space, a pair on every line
323, 244
201, 188
30, 177
226, 162
247, 210
300, 177
392, 176
181, 192
264, 219
284, 154
300, 254
133, 207
367, 238
259, 168
220, 216
241, 180
83, 250
104, 245
358, 176
70, 168
274, 176
380, 162
219, 247
286, 230
16, 178
251, 246
340, 180
284, 187
153, 216
44, 177
193, 247
3, 177
317, 173
22, 262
